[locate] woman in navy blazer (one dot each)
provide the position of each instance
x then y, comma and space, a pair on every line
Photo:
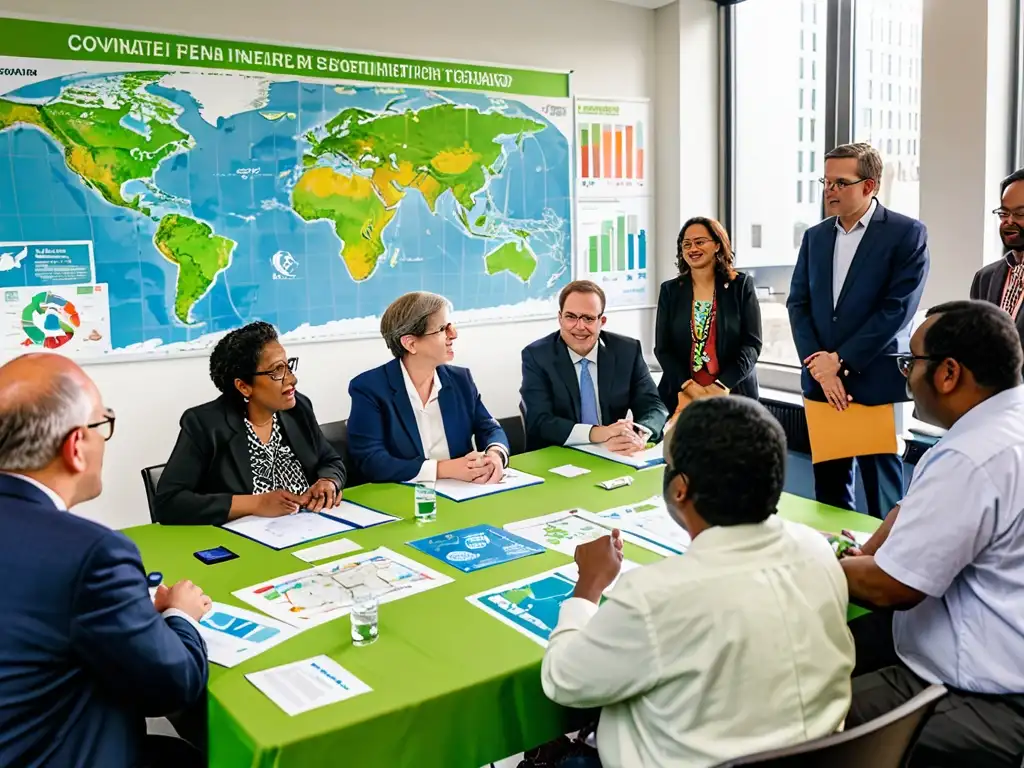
414, 418
708, 331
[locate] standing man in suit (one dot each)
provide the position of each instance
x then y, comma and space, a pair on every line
856, 286
85, 655
579, 382
1002, 282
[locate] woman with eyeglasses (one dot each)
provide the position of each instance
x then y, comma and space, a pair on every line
415, 418
255, 450
708, 330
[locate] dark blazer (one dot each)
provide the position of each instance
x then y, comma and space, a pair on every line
383, 439
988, 286
737, 335
551, 391
84, 657
210, 462
870, 323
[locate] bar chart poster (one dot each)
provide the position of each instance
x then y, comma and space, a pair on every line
614, 241
612, 148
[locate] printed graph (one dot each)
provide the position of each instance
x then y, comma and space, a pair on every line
614, 246
612, 139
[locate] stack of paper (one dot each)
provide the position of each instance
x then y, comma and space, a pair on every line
646, 458
287, 531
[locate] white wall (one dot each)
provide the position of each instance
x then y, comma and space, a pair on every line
608, 46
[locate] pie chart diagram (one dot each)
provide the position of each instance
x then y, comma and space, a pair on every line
49, 321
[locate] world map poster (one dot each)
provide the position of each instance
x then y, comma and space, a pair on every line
208, 183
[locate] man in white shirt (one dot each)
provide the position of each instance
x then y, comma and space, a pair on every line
949, 559
738, 646
86, 654
582, 384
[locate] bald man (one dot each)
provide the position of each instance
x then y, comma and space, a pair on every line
85, 653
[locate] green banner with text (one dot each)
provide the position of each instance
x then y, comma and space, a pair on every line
47, 40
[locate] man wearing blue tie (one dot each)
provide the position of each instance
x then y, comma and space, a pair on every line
856, 285
580, 384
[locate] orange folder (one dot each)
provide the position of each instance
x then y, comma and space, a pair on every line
860, 430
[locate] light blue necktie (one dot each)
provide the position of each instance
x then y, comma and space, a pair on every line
588, 398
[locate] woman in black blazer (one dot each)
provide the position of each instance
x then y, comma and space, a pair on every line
708, 332
255, 450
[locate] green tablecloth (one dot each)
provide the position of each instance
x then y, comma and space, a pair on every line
452, 687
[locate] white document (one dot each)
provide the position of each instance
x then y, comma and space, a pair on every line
317, 595
647, 458
288, 530
649, 524
234, 635
459, 490
330, 549
308, 684
568, 470
358, 516
861, 537
566, 530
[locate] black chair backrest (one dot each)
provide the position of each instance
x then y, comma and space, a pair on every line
885, 742
150, 478
336, 433
515, 431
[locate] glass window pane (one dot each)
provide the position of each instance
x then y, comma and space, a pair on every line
900, 188
777, 143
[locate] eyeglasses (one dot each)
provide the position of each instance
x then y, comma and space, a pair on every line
106, 426
906, 362
1017, 214
572, 318
840, 184
700, 242
279, 371
448, 329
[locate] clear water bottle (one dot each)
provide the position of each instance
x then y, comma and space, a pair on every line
426, 502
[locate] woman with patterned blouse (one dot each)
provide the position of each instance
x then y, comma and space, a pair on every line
255, 450
708, 333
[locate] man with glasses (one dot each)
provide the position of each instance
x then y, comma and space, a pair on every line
856, 285
580, 384
945, 571
1002, 282
87, 653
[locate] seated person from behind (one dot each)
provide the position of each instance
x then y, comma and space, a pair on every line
579, 382
738, 646
85, 654
255, 450
945, 571
414, 419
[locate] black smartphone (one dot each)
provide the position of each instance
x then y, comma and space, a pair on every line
215, 555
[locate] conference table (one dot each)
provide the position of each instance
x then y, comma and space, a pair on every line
451, 686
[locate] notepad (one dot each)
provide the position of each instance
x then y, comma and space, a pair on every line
860, 430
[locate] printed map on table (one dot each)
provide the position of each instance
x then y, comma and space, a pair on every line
477, 547
531, 605
560, 531
317, 595
650, 522
211, 183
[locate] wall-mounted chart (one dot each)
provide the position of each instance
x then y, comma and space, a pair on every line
612, 145
614, 249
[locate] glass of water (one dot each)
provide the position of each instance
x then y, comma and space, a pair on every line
426, 502
364, 620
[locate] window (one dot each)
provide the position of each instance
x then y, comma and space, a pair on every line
901, 190
801, 68
767, 228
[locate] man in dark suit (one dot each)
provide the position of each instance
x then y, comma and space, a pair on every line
579, 382
1002, 282
856, 286
85, 653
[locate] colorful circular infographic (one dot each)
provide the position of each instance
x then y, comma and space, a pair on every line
49, 321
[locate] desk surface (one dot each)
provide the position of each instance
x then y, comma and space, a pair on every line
451, 685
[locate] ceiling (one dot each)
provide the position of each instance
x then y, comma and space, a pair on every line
645, 3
